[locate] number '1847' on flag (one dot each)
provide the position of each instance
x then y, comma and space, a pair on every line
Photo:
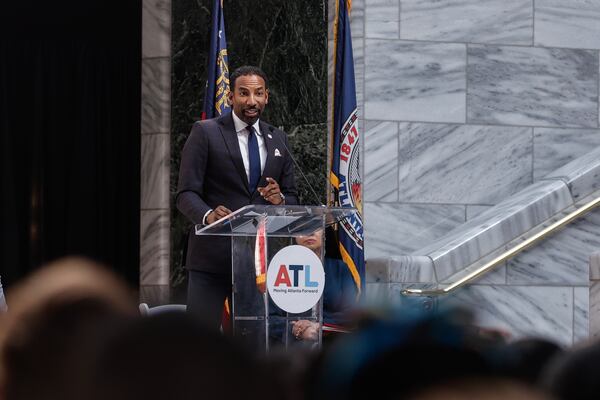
345, 161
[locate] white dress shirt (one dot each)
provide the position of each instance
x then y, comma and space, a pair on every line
242, 135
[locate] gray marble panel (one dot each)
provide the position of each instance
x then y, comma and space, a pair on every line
383, 19
532, 86
493, 228
2, 299
155, 295
497, 276
411, 269
377, 270
581, 308
359, 81
154, 247
396, 229
582, 174
554, 148
155, 171
563, 258
545, 312
442, 163
381, 161
377, 295
594, 310
572, 23
357, 18
483, 21
156, 28
595, 267
357, 28
156, 95
473, 211
414, 81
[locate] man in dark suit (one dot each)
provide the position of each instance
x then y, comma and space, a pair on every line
227, 163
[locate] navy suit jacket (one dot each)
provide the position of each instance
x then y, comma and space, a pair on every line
212, 173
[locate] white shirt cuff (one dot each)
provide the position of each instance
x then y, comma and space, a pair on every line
206, 215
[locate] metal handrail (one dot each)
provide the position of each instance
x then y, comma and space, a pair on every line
507, 254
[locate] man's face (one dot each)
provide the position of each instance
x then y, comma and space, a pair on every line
249, 97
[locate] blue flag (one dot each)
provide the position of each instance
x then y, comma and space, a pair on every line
217, 83
345, 164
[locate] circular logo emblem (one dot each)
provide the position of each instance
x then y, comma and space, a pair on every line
350, 186
295, 279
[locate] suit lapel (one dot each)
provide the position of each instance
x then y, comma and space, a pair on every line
270, 145
231, 141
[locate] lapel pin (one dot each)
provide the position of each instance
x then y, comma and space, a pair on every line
269, 136
277, 153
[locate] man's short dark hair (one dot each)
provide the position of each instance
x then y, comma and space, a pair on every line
245, 71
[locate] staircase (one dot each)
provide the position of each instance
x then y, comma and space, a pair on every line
544, 291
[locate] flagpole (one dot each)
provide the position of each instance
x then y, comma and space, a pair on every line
331, 128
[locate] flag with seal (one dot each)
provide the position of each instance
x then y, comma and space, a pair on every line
345, 176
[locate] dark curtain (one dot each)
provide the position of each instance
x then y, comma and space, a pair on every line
70, 135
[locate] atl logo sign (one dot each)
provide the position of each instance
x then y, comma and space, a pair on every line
283, 277
295, 279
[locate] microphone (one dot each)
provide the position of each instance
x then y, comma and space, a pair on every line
272, 129
330, 247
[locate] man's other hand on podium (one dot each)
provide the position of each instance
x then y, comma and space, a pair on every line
217, 214
305, 330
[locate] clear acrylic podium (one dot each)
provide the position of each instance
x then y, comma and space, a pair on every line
256, 319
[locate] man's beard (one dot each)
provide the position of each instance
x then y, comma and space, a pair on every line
251, 119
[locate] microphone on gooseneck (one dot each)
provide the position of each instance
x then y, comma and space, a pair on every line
272, 129
330, 245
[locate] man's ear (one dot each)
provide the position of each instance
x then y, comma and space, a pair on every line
230, 98
267, 96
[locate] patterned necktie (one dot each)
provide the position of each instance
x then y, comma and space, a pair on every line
254, 159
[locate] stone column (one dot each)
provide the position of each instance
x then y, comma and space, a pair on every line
155, 148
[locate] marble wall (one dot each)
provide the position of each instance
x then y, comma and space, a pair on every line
466, 103
155, 151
